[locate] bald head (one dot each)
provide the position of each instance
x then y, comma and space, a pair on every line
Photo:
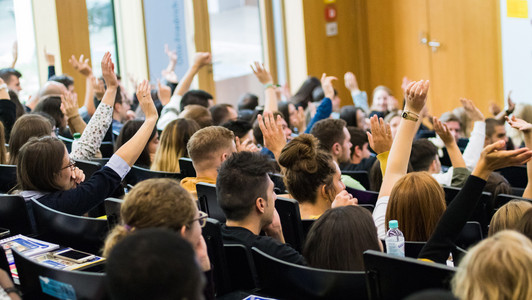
49, 89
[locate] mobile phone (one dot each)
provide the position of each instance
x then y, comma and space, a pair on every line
4, 232
74, 255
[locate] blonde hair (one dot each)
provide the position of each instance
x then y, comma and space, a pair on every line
173, 145
508, 216
158, 202
499, 267
417, 202
206, 142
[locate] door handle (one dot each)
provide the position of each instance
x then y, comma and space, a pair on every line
434, 45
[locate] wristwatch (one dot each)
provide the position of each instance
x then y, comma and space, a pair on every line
410, 116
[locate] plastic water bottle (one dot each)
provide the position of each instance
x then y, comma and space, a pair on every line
395, 240
75, 143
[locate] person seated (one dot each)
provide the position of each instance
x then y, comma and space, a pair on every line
198, 113
46, 173
495, 131
525, 224
259, 137
335, 139
453, 123
11, 77
246, 196
222, 113
120, 109
242, 129
66, 80
8, 110
379, 106
208, 148
359, 145
248, 101
312, 177
153, 264
424, 157
505, 257
27, 126
354, 117
294, 117
129, 129
337, 240
508, 216
178, 101
173, 145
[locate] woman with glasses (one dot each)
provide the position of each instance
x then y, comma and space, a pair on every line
46, 173
162, 203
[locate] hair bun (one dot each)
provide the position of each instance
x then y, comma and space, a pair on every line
300, 154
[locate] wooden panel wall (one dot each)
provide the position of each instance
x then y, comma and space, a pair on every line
337, 54
73, 28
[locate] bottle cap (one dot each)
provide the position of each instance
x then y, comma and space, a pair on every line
77, 135
393, 224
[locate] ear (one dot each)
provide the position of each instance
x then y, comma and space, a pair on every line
117, 106
336, 149
260, 203
183, 231
323, 192
432, 167
225, 155
357, 151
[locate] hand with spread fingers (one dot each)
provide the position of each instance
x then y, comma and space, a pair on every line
145, 100
443, 131
108, 71
164, 92
350, 81
519, 124
472, 111
272, 131
380, 139
493, 158
245, 145
69, 101
327, 86
261, 73
81, 65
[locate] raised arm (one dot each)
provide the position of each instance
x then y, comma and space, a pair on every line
169, 74
201, 59
69, 101
380, 140
131, 150
509, 108
265, 78
272, 131
50, 62
82, 66
416, 96
476, 140
450, 143
526, 128
360, 98
325, 109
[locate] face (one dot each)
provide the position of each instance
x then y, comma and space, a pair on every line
361, 119
454, 128
365, 153
153, 144
499, 134
287, 131
345, 154
14, 83
270, 209
294, 117
394, 125
336, 103
233, 115
71, 88
338, 185
64, 177
437, 164
380, 100
193, 231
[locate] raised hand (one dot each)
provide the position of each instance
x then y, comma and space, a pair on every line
519, 124
169, 73
494, 109
343, 199
261, 73
380, 139
50, 58
416, 95
81, 65
145, 100
108, 71
69, 102
493, 158
272, 131
4, 93
351, 82
164, 92
471, 110
202, 59
246, 145
443, 131
327, 86
98, 86
172, 54
15, 54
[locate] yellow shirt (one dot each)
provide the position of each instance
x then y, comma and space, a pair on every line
189, 184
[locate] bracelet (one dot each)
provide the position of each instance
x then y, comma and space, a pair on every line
408, 115
273, 85
13, 290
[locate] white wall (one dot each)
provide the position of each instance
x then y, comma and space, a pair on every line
517, 54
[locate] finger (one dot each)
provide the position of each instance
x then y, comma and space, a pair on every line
388, 130
495, 146
81, 59
409, 87
370, 140
237, 142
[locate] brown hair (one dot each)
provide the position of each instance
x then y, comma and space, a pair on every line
157, 202
338, 238
307, 168
490, 126
127, 132
173, 145
27, 126
39, 162
329, 132
497, 268
3, 153
508, 215
206, 142
198, 113
417, 202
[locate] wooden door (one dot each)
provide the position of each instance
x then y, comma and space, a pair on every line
468, 62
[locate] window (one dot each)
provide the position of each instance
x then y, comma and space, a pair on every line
102, 32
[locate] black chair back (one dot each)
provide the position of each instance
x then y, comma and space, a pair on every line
369, 207
360, 176
293, 233
8, 178
88, 167
241, 268
107, 149
518, 191
482, 212
364, 197
502, 199
138, 174
278, 183
186, 167
412, 249
307, 223
516, 176
209, 202
470, 235
290, 281
14, 215
112, 211
212, 233
37, 281
82, 233
392, 277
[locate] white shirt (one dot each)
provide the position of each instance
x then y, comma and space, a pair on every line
170, 112
379, 216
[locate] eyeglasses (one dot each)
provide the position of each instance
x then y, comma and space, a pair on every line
202, 219
71, 165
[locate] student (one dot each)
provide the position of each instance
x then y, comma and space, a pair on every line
222, 113
148, 153
208, 148
153, 264
245, 193
46, 173
508, 216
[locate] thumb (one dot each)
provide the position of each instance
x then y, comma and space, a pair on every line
495, 146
